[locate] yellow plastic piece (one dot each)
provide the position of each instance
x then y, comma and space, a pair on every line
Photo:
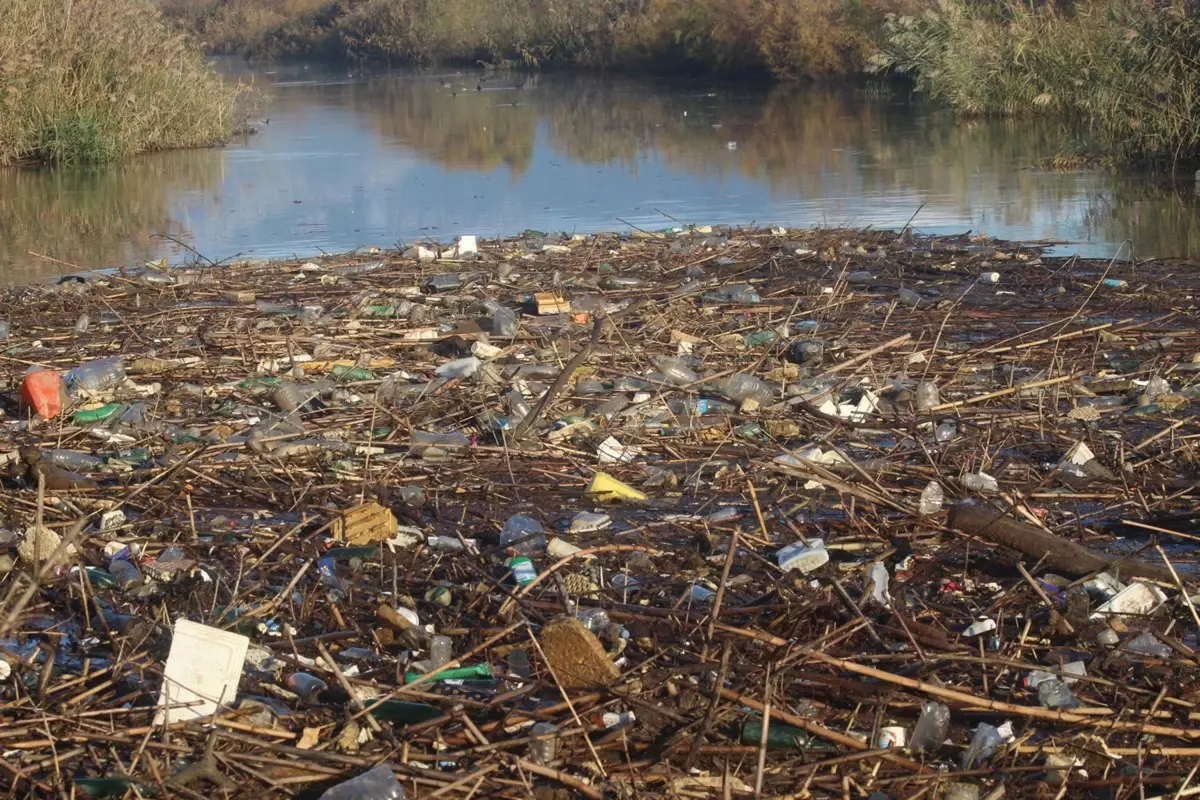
606, 487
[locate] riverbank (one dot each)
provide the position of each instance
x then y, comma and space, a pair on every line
606, 514
89, 82
1088, 63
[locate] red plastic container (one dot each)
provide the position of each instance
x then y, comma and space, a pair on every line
44, 392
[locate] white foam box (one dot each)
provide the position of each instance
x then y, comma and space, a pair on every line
202, 673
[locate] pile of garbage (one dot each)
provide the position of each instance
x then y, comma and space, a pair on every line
695, 513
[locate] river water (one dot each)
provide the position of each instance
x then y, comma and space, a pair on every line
348, 160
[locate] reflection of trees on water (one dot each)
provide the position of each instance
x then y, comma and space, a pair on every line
801, 140
95, 218
468, 130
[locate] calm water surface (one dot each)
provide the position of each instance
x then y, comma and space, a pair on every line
347, 161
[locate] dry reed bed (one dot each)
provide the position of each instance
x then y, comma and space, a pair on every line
1014, 361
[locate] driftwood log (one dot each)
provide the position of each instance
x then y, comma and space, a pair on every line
1054, 551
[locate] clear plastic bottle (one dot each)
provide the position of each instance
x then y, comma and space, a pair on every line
525, 532
95, 376
1053, 693
377, 783
1146, 643
543, 751
741, 387
980, 482
927, 396
595, 619
431, 439
504, 322
945, 431
675, 371
4, 330
805, 351
984, 743
932, 498
931, 729
82, 324
441, 651
907, 297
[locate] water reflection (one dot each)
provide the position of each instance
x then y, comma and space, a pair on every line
370, 160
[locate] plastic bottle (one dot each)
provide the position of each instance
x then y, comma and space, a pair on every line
1106, 401
431, 439
931, 729
289, 396
805, 351
741, 387
698, 406
945, 431
518, 664
961, 791
521, 530
980, 482
95, 376
306, 685
595, 619
4, 330
377, 783
907, 297
984, 743
1146, 643
878, 583
504, 322
1053, 693
802, 557
927, 395
441, 651
459, 368
524, 573
675, 371
73, 460
82, 324
124, 573
932, 498
543, 751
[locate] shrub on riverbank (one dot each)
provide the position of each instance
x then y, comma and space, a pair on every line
86, 81
1126, 70
780, 37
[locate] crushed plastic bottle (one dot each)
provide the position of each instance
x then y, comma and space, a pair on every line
1054, 693
878, 584
377, 783
504, 322
524, 534
945, 431
1147, 644
927, 396
932, 499
741, 387
986, 740
931, 729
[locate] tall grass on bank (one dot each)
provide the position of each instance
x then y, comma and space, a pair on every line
87, 81
780, 37
1126, 70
